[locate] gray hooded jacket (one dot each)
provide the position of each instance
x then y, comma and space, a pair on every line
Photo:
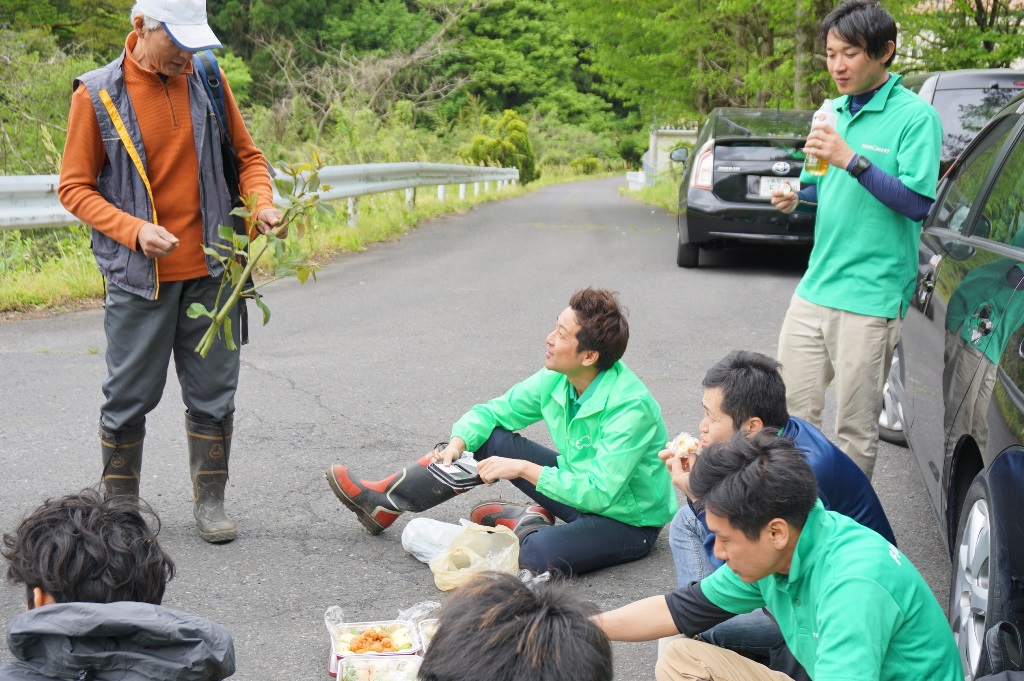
126, 641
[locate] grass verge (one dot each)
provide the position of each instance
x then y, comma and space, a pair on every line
664, 194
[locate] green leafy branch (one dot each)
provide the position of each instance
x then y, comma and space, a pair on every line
300, 202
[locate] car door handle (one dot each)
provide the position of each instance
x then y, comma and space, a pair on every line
925, 286
927, 282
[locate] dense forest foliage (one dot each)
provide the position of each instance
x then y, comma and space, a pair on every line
401, 80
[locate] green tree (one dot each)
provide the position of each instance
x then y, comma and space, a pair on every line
677, 59
519, 54
960, 34
97, 26
508, 147
35, 97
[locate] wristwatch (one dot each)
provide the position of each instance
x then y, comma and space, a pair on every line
859, 165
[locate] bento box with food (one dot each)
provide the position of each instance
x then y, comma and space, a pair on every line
371, 639
379, 668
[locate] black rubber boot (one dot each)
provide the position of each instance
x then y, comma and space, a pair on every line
378, 504
209, 445
121, 452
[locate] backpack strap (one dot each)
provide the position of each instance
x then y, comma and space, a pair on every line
206, 67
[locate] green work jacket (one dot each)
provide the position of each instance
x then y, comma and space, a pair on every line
608, 463
852, 608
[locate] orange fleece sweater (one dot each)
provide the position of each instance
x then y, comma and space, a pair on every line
162, 109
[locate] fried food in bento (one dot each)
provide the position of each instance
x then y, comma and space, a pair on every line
373, 640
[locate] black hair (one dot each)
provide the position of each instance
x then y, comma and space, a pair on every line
864, 23
603, 325
499, 629
751, 385
752, 480
85, 548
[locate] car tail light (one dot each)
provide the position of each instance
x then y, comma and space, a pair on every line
704, 166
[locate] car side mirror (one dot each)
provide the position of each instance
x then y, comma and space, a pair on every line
679, 155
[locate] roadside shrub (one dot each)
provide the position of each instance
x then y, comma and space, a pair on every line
585, 166
509, 147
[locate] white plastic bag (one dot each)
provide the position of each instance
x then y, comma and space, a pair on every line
475, 549
427, 538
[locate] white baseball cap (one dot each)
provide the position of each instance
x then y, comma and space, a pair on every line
184, 21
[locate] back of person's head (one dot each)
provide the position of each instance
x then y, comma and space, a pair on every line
751, 385
84, 548
499, 629
864, 23
751, 480
603, 325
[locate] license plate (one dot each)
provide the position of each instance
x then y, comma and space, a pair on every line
771, 183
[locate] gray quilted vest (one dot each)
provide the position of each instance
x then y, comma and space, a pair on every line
121, 184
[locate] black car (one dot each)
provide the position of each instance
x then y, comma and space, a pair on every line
965, 100
959, 384
740, 157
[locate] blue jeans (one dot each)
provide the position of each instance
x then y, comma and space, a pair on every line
586, 541
754, 634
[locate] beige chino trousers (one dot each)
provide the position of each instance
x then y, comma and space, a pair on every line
688, 659
818, 344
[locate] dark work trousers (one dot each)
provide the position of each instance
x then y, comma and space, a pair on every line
141, 336
587, 541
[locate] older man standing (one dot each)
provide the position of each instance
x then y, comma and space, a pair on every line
143, 167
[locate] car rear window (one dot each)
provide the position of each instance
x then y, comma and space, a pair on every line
965, 112
759, 150
762, 123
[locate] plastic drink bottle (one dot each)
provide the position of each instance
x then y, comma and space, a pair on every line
826, 115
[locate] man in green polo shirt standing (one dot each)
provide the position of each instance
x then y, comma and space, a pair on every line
843, 322
849, 604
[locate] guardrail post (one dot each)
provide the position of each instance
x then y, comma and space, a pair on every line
476, 188
462, 191
440, 193
501, 185
353, 211
487, 186
410, 198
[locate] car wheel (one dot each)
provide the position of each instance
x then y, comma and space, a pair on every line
974, 584
890, 424
687, 255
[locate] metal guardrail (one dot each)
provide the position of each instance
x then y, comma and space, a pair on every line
30, 201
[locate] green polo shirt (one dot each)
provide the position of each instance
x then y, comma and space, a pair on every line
852, 608
864, 258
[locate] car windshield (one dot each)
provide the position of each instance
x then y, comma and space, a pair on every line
762, 123
964, 112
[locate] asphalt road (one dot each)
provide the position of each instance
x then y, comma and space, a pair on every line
369, 366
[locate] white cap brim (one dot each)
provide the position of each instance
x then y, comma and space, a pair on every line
192, 37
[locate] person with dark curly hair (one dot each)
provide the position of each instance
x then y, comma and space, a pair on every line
498, 628
605, 482
94, 577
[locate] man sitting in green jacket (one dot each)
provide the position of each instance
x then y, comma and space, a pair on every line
605, 482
